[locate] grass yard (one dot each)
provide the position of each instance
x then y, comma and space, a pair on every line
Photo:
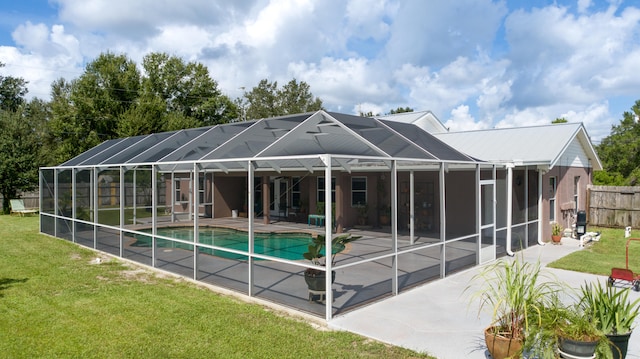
57, 302
599, 257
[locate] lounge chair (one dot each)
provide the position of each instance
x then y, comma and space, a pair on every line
17, 206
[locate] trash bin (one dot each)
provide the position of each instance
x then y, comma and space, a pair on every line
234, 213
581, 223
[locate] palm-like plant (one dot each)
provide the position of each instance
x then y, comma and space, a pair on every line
514, 292
315, 252
611, 309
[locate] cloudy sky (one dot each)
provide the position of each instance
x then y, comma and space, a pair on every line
474, 63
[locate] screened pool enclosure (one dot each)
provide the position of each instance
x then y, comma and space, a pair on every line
236, 205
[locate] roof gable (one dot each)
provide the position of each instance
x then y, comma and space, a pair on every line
426, 120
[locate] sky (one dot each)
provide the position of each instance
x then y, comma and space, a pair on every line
476, 64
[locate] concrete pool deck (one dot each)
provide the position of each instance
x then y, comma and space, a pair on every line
436, 318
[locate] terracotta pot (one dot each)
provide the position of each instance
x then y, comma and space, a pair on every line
500, 347
556, 239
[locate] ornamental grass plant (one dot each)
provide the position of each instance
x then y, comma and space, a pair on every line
514, 292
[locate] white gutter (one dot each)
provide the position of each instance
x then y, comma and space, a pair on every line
540, 228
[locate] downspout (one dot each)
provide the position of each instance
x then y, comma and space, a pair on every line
540, 241
509, 207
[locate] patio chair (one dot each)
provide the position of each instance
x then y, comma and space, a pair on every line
17, 207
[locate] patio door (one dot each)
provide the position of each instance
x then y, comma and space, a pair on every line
487, 221
279, 197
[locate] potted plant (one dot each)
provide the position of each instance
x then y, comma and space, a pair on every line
513, 293
613, 314
563, 329
316, 278
578, 335
556, 232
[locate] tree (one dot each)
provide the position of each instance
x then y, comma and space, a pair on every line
87, 110
20, 148
401, 110
620, 151
559, 120
267, 100
262, 101
111, 99
12, 91
187, 91
296, 97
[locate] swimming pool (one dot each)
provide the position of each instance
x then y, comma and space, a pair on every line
282, 245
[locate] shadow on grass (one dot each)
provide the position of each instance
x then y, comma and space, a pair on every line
7, 282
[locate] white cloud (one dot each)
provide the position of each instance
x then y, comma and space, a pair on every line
462, 120
583, 5
443, 56
344, 84
43, 55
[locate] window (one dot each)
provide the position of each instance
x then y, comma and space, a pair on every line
576, 191
201, 192
177, 191
295, 192
358, 191
320, 196
552, 198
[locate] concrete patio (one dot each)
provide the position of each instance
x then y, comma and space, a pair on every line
437, 318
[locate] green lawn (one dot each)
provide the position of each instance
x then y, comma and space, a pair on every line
55, 302
599, 257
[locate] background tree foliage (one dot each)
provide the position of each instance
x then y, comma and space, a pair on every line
620, 152
267, 100
12, 91
113, 99
22, 149
400, 110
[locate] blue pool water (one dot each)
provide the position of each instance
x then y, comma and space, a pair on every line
282, 245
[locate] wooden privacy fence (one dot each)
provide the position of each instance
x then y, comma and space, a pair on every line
614, 206
31, 199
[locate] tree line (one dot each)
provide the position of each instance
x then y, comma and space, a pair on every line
115, 98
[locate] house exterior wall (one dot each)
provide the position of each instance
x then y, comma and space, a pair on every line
568, 180
228, 195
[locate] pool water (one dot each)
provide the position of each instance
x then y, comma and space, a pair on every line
282, 245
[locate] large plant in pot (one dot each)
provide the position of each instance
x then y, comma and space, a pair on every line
514, 293
316, 278
577, 334
612, 312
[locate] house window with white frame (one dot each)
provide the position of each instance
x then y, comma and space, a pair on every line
201, 189
295, 192
178, 193
358, 191
320, 191
553, 187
